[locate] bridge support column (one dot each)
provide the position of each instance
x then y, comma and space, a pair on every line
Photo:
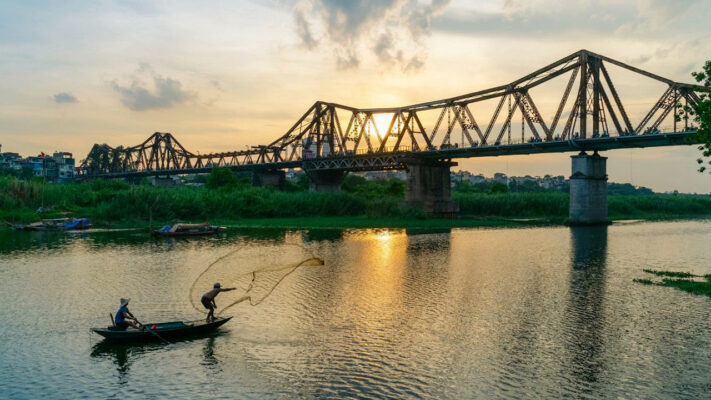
429, 187
588, 190
165, 181
325, 181
271, 178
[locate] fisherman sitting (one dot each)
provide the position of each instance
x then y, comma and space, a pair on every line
208, 300
124, 318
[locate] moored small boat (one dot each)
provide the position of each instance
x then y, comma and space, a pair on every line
161, 330
188, 230
56, 224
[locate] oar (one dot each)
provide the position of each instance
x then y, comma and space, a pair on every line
152, 332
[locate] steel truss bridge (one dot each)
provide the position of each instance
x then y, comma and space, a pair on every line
590, 115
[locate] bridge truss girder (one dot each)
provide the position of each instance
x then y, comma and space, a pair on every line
330, 135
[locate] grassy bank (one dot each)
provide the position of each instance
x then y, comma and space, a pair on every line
361, 204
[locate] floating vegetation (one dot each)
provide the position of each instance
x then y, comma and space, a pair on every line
686, 281
672, 274
691, 286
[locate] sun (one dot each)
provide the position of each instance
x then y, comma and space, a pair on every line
382, 122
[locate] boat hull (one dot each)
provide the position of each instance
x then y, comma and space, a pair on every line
203, 232
161, 331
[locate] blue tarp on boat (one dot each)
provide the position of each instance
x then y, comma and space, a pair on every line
78, 223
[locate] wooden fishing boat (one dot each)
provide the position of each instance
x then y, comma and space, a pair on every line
178, 230
161, 330
56, 224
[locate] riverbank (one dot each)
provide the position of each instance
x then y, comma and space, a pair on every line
115, 204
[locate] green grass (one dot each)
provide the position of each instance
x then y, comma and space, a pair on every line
113, 203
685, 281
370, 222
554, 206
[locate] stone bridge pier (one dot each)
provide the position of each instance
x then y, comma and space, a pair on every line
325, 181
588, 190
429, 187
269, 177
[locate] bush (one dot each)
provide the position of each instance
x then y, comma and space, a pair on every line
114, 201
513, 204
498, 187
220, 177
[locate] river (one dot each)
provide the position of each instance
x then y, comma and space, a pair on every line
544, 312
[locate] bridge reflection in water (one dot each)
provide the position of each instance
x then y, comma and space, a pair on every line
585, 306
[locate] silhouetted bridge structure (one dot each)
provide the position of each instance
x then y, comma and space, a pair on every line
331, 139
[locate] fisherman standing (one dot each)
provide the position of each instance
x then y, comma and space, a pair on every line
208, 300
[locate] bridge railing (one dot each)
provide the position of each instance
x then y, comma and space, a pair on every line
388, 149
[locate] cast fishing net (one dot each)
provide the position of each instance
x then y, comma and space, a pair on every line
255, 272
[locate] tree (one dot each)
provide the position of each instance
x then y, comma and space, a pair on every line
701, 114
300, 184
220, 177
498, 187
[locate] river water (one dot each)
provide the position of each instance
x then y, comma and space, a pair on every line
545, 312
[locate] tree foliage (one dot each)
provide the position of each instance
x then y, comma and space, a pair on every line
701, 114
107, 202
220, 177
379, 188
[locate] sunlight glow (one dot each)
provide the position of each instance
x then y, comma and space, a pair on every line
382, 121
384, 236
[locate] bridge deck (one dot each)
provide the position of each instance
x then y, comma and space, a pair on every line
399, 159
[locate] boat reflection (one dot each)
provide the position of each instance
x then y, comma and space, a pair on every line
125, 354
122, 355
318, 235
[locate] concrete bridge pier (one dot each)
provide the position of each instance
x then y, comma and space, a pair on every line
269, 177
588, 190
164, 181
429, 187
325, 181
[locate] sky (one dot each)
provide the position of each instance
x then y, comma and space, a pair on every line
222, 75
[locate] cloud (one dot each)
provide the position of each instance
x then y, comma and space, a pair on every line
303, 29
384, 48
390, 32
162, 92
662, 52
65, 97
653, 14
347, 61
572, 18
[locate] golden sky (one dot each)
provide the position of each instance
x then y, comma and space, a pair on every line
222, 75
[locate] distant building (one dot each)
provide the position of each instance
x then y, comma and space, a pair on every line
553, 182
501, 178
32, 167
65, 166
60, 167
292, 173
477, 179
50, 169
522, 179
10, 161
